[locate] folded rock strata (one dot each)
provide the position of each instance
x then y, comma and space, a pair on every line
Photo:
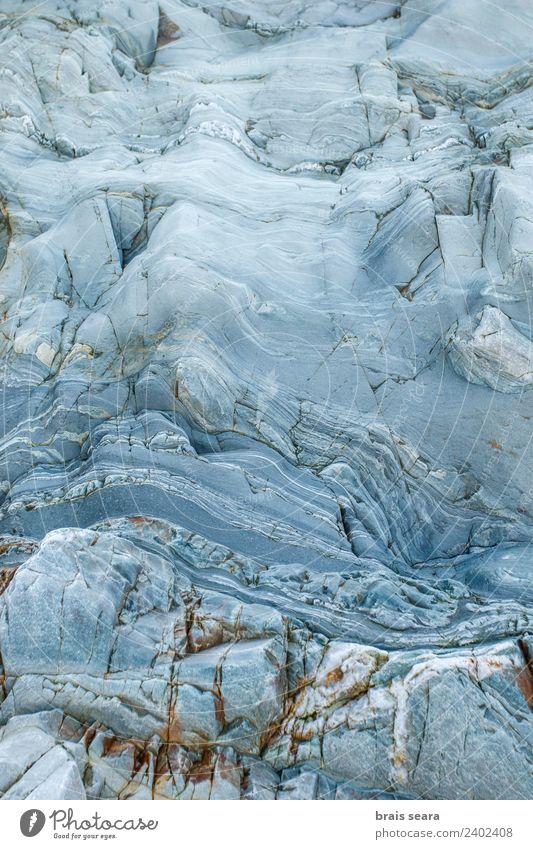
265, 461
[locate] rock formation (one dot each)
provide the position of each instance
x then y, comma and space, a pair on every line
266, 506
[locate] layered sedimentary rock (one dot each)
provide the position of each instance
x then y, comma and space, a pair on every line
266, 506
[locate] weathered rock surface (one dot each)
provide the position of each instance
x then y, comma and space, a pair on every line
265, 466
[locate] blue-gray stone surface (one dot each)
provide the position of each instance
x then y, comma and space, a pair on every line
266, 503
